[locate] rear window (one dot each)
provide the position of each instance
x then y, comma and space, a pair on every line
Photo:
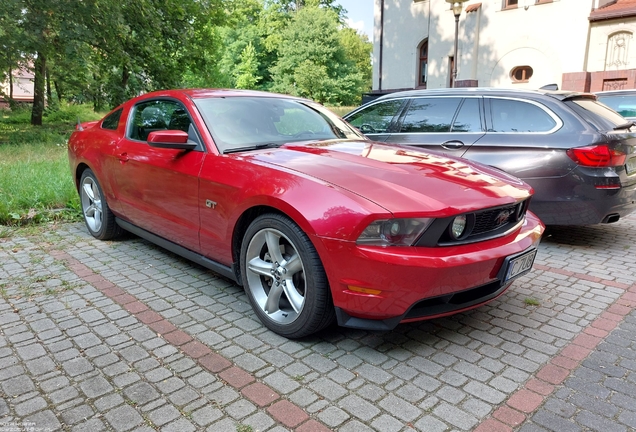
596, 114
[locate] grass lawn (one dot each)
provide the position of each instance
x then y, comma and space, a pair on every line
342, 110
35, 179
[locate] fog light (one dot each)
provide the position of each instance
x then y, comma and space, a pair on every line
458, 226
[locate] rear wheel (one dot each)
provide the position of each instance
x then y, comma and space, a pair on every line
98, 217
284, 278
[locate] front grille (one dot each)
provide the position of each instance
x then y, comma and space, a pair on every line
490, 220
480, 225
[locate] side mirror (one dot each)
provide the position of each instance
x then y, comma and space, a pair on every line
171, 139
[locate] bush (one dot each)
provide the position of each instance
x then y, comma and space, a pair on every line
17, 116
70, 114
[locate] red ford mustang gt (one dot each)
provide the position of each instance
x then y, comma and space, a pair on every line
315, 221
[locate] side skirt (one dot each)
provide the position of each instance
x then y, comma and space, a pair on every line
219, 268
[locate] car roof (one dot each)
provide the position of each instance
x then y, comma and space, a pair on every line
489, 91
217, 92
623, 92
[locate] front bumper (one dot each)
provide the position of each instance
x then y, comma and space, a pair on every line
415, 283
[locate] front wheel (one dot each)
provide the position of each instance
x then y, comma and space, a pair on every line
284, 278
98, 217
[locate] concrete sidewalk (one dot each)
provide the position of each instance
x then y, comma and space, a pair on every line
126, 336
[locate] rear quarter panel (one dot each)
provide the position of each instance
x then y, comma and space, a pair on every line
96, 148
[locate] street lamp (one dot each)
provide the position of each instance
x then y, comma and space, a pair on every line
457, 6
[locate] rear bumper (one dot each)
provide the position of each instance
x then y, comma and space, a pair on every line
416, 283
580, 199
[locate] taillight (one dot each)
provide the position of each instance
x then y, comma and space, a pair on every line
598, 156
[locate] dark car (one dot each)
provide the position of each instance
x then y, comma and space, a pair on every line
579, 155
621, 101
317, 222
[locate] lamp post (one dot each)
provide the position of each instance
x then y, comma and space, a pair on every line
457, 6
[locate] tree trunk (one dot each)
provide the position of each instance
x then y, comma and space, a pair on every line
58, 91
10, 84
38, 90
49, 98
125, 76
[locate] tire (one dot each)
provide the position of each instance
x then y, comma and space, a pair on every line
284, 278
98, 217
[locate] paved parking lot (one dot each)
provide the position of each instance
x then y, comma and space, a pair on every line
126, 336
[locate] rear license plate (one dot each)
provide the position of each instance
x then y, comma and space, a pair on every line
519, 265
631, 166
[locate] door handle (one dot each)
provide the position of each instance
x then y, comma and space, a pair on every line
453, 145
123, 157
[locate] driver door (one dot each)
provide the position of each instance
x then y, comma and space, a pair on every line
159, 187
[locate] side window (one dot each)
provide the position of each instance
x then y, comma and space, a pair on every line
519, 116
376, 118
430, 115
158, 115
469, 118
112, 121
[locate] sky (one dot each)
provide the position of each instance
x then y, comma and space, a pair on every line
360, 15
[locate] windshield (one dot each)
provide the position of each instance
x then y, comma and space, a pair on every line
246, 122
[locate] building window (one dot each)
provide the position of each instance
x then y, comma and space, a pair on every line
614, 84
510, 4
521, 74
543, 1
423, 65
617, 51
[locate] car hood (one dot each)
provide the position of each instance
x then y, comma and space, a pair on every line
400, 179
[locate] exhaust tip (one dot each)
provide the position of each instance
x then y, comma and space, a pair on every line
611, 218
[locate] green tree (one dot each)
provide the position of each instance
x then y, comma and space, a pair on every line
288, 6
358, 49
247, 69
249, 23
313, 61
40, 24
10, 37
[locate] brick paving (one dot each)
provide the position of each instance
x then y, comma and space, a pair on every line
124, 335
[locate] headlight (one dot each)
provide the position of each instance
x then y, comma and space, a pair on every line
394, 232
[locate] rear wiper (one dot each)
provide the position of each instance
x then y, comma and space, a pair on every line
626, 125
252, 147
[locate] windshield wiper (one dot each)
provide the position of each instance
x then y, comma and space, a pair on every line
252, 147
626, 125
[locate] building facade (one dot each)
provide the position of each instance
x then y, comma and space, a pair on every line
22, 82
584, 45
